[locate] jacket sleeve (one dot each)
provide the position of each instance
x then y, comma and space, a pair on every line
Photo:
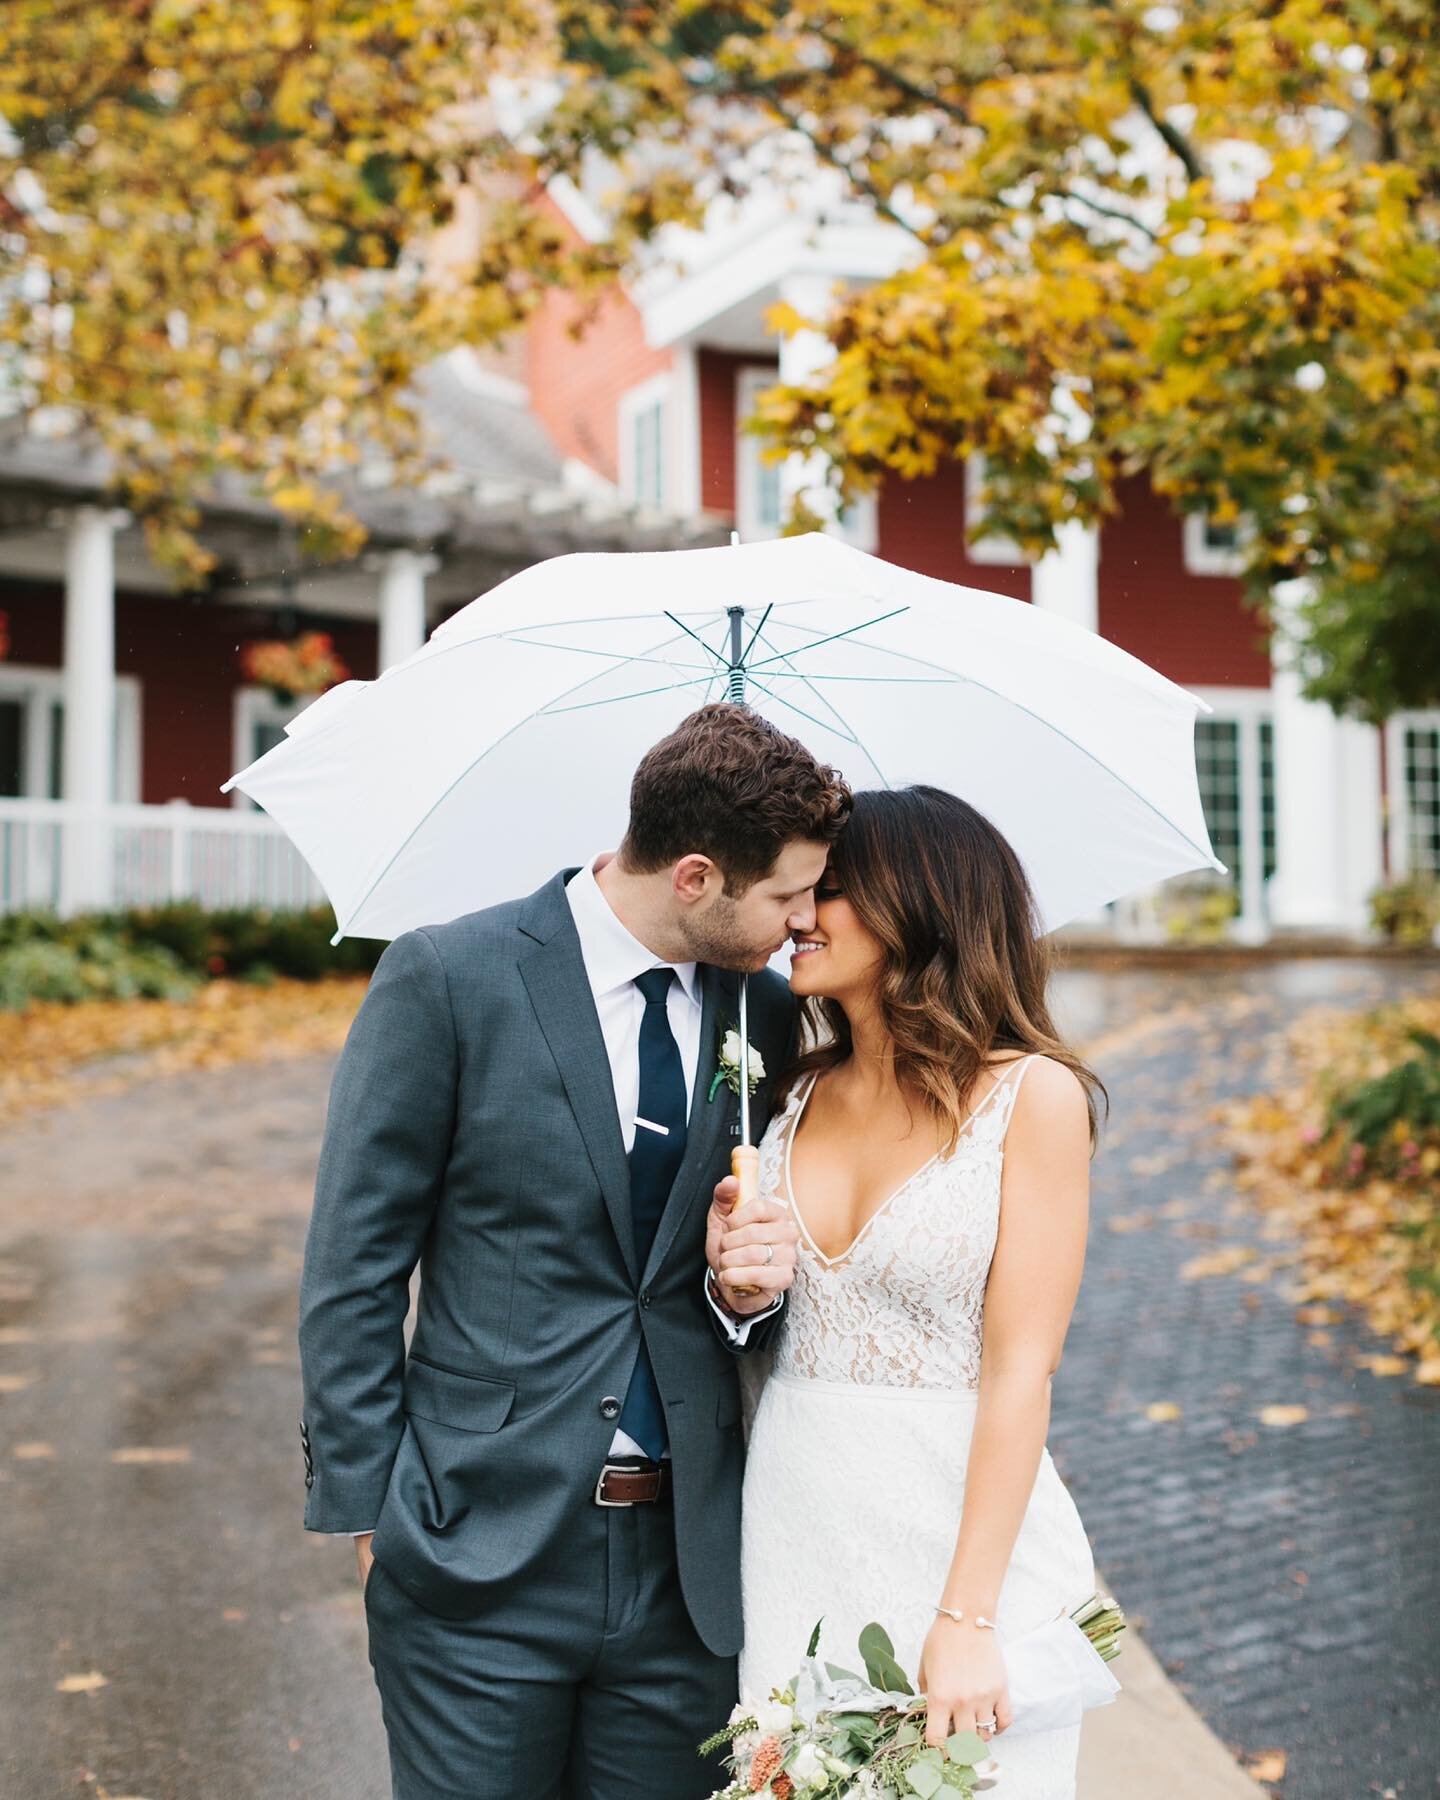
382, 1166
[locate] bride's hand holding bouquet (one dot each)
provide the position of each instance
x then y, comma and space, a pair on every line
962, 1676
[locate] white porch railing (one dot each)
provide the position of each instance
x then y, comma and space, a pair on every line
58, 854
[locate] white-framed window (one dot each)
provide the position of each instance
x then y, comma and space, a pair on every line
1212, 548
259, 719
759, 502
644, 423
994, 552
32, 735
1412, 762
1235, 764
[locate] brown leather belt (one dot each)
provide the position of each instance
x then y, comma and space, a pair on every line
632, 1484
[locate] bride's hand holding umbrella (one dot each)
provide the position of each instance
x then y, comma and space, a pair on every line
750, 1249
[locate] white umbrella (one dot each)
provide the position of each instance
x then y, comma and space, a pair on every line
478, 766
504, 747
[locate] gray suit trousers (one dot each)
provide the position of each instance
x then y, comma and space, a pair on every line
588, 1682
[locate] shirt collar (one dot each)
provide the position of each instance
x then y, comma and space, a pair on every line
613, 955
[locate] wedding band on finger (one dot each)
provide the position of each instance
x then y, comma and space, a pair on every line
984, 1724
769, 1253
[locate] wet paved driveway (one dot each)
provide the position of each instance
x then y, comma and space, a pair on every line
150, 1470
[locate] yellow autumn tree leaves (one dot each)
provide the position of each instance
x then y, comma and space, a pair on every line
227, 233
1200, 240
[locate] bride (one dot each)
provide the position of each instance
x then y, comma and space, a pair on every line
934, 1155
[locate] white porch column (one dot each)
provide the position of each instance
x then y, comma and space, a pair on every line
1327, 800
802, 357
1066, 581
684, 429
402, 604
88, 756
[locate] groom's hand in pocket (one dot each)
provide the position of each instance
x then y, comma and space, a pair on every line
749, 1247
363, 1557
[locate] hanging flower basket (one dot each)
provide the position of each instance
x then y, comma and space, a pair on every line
307, 665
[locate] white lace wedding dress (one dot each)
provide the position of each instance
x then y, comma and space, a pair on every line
856, 1468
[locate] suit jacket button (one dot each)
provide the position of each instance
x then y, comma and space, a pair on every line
610, 1408
645, 1298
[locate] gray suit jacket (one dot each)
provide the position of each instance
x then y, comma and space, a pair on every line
472, 1127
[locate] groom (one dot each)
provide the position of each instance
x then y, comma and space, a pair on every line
528, 1105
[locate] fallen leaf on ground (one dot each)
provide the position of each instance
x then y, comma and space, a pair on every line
1162, 1411
1218, 1262
1383, 1365
82, 1684
43, 1048
1266, 1765
152, 1453
1283, 1415
33, 1452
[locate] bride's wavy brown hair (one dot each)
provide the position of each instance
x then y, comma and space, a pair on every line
965, 965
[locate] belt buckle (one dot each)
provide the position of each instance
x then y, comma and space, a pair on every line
600, 1483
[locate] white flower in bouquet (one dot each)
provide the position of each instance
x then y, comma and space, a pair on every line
773, 1718
808, 1766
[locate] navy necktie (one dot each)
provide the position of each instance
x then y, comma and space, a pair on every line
655, 1160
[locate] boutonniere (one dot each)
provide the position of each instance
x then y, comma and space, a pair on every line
728, 1066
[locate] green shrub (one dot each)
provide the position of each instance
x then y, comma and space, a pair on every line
142, 950
1198, 909
98, 967
1408, 911
1390, 1119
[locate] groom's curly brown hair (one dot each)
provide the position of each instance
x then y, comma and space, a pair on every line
729, 785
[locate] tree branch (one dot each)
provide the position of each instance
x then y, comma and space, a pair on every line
901, 83
1108, 212
1175, 141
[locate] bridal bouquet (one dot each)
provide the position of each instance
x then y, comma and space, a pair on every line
831, 1733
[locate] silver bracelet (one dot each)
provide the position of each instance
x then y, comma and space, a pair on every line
955, 1613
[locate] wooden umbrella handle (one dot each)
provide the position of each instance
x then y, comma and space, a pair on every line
745, 1167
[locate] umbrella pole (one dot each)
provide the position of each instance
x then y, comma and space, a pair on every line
745, 1158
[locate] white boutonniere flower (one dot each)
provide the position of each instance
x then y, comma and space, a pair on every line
728, 1066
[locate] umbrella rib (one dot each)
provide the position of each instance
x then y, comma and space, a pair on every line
669, 687
835, 636
824, 725
847, 730
698, 639
664, 662
755, 635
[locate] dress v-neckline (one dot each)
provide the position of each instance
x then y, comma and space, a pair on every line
793, 1125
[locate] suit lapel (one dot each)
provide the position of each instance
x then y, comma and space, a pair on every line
559, 990
719, 1003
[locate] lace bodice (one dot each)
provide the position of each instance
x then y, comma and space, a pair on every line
902, 1307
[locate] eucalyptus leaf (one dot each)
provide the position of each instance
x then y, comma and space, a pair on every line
967, 1747
814, 1643
925, 1779
836, 1673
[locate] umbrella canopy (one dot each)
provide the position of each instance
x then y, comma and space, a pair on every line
503, 749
